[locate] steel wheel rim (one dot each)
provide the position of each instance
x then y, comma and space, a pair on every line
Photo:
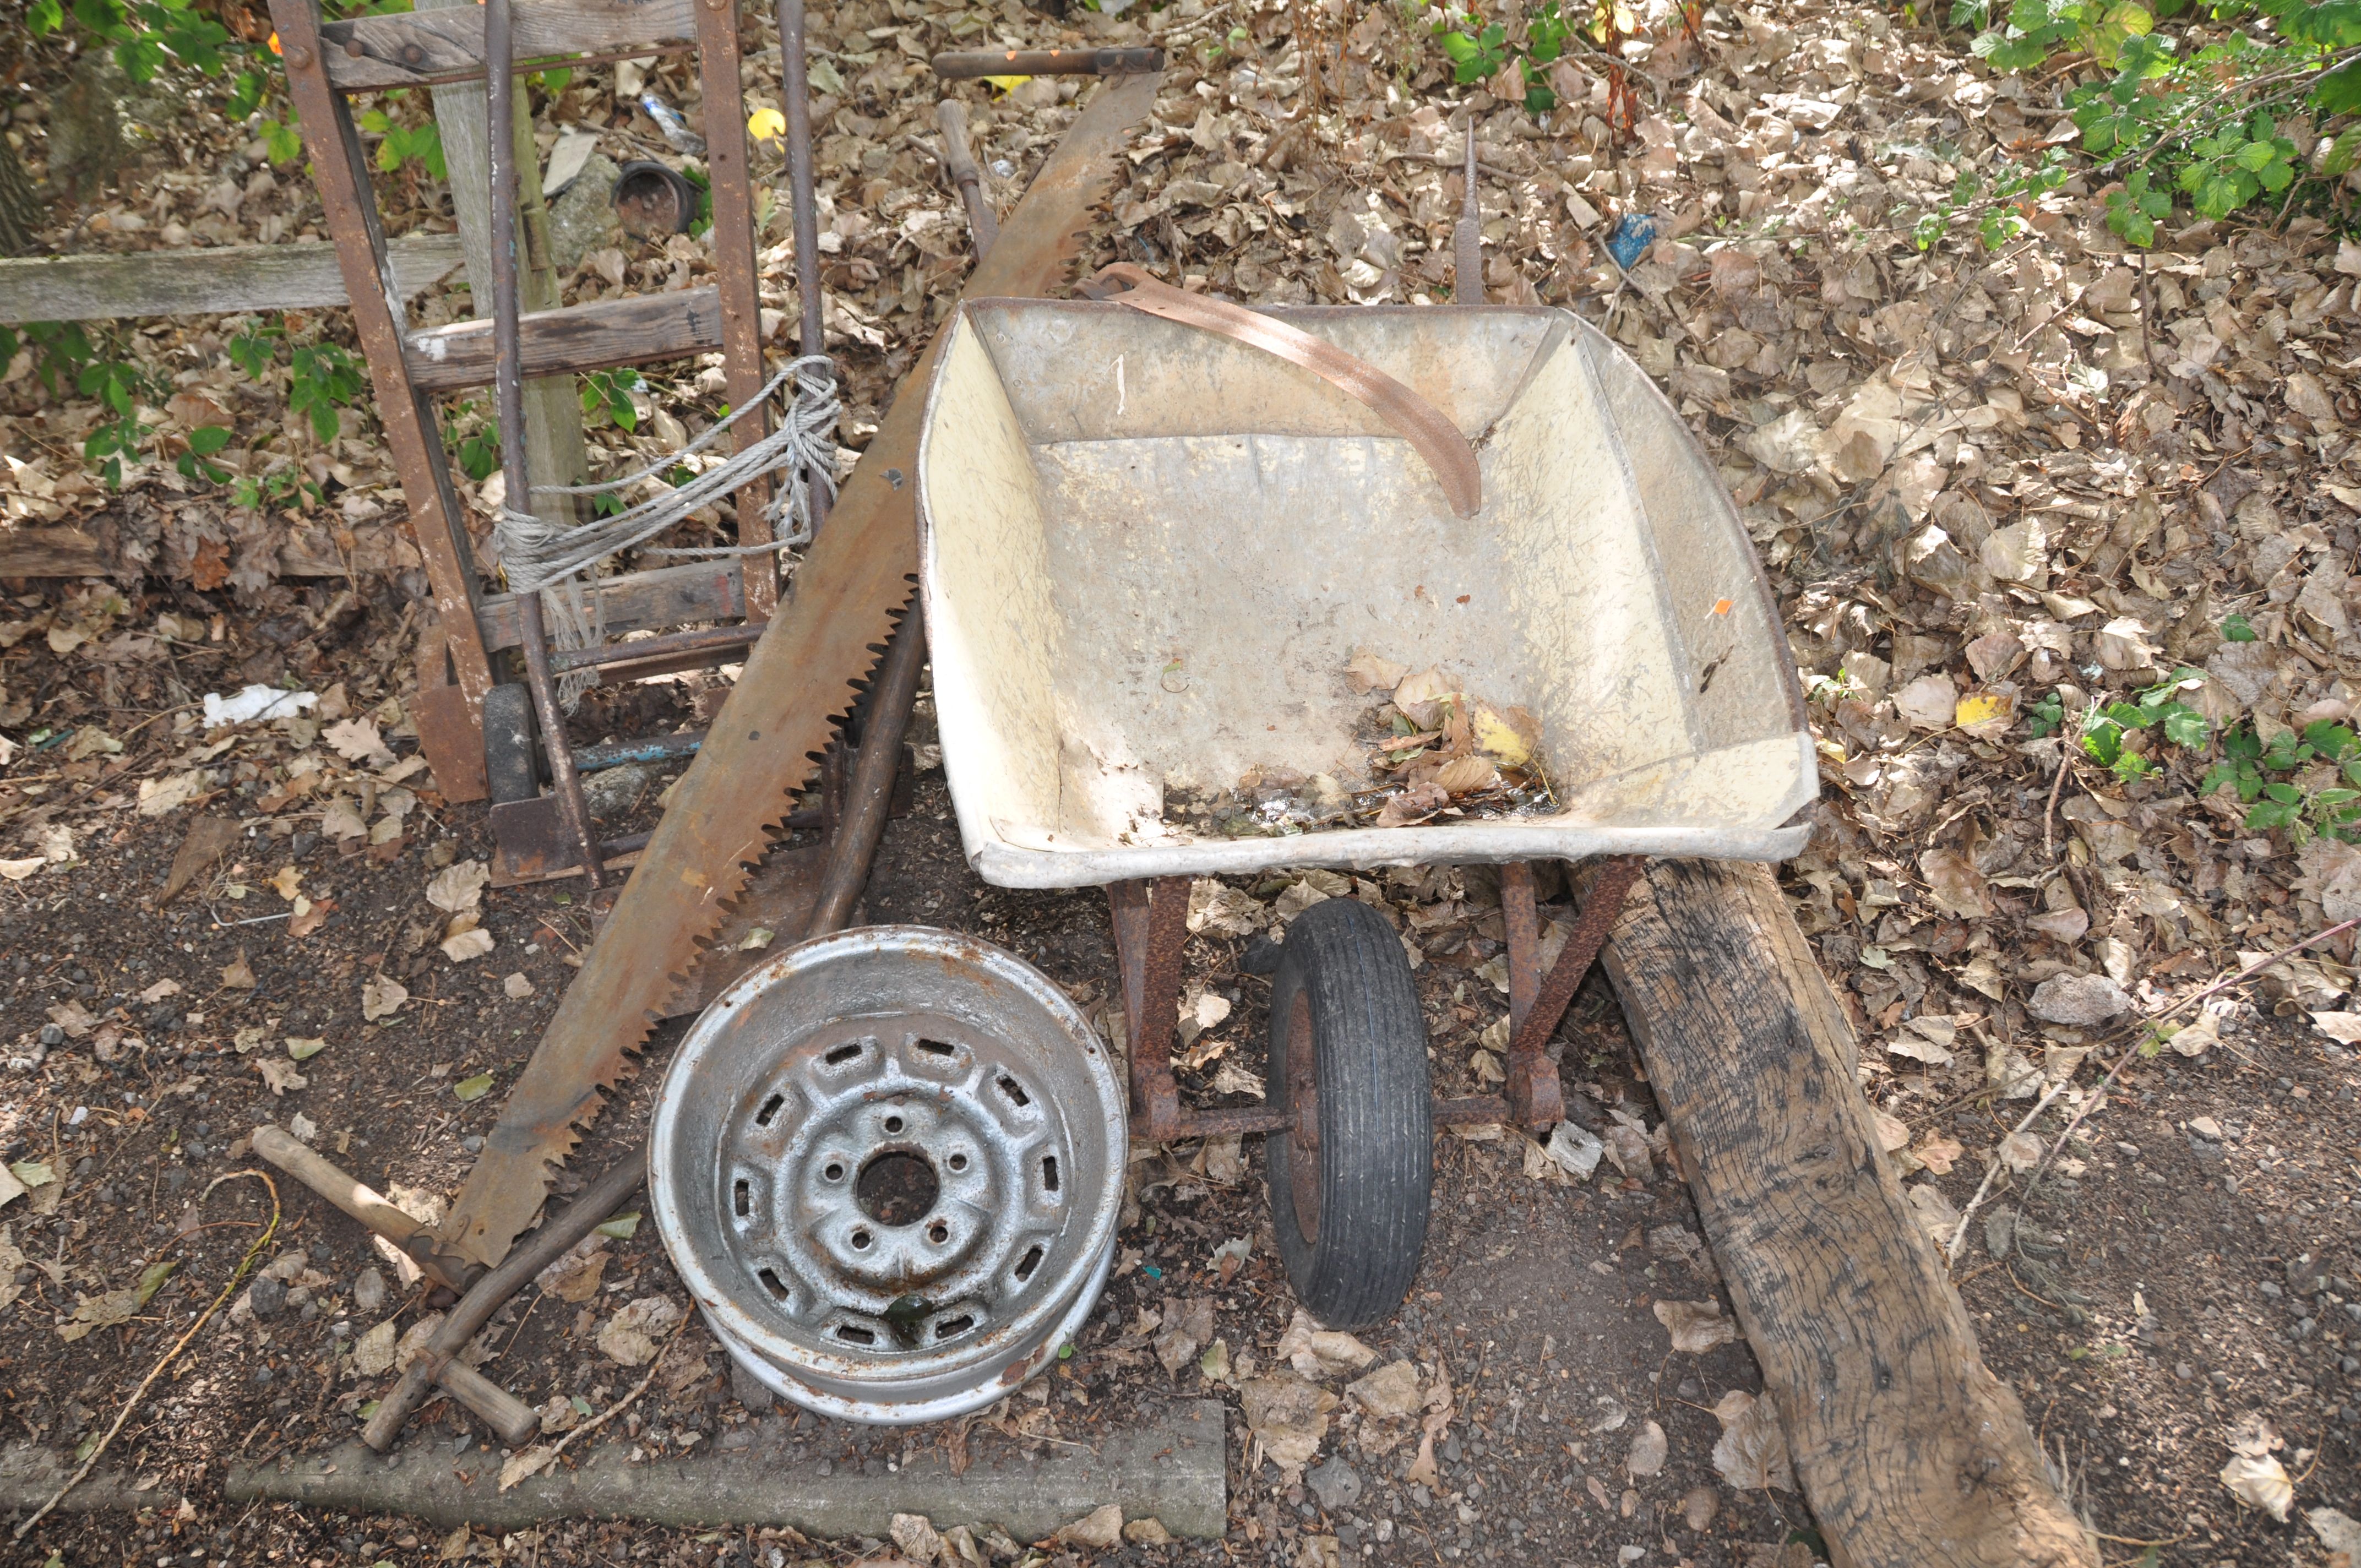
888, 1165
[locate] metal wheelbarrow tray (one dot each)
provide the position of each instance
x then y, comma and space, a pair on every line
1112, 506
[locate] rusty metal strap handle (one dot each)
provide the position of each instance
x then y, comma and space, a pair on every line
1438, 440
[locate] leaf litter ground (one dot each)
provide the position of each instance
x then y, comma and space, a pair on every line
1996, 490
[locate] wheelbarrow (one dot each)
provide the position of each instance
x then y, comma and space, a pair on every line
1155, 542
889, 1162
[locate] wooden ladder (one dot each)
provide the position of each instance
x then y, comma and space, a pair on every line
470, 648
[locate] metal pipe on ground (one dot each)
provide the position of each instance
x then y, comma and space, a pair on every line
436, 1365
868, 799
959, 162
960, 64
795, 88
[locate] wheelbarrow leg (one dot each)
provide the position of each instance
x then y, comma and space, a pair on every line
1537, 1002
1148, 936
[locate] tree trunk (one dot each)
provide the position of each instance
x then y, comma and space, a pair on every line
87, 145
22, 211
1908, 1450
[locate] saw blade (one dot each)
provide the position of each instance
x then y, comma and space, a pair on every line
799, 681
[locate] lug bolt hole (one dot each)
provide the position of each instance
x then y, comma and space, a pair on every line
861, 1241
958, 1162
834, 1172
893, 1123
938, 1234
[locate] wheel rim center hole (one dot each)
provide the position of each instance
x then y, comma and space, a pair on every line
898, 1187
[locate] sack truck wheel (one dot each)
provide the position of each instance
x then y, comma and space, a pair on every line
1348, 1037
510, 769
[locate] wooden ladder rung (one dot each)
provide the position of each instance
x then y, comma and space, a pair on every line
662, 598
633, 330
411, 50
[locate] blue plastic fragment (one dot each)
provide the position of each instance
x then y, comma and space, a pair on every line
1634, 233
1150, 1270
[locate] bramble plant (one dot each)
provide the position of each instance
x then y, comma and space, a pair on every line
2199, 112
282, 486
477, 450
607, 397
2159, 708
325, 380
2248, 763
422, 145
1478, 49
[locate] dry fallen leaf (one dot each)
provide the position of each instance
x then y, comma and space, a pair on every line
373, 1352
357, 740
2259, 1481
1097, 1529
628, 1338
382, 998
1752, 1453
524, 1464
1315, 1352
1390, 1393
458, 888
1287, 1418
1187, 1327
465, 940
1369, 673
1413, 806
1695, 1326
279, 1075
1649, 1451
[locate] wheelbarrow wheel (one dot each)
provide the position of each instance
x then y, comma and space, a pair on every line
511, 772
1348, 1040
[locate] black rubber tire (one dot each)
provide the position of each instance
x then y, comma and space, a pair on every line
510, 770
1352, 1256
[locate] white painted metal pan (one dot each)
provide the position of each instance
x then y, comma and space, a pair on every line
1149, 553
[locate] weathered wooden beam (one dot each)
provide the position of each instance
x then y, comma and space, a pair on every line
214, 281
439, 46
50, 552
632, 330
665, 597
1909, 1451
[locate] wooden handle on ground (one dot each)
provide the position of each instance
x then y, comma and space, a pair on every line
510, 1419
364, 1204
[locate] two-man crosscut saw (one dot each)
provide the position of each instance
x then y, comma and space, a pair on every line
799, 681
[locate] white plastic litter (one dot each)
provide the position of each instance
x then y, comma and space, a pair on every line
256, 702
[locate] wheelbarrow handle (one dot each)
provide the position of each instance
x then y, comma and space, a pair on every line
1446, 451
